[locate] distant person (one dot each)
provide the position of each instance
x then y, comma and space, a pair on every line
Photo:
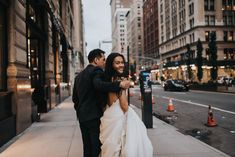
38, 97
122, 133
88, 95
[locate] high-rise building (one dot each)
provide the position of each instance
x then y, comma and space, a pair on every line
183, 22
150, 33
135, 34
119, 9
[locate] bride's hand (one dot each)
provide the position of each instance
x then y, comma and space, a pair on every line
125, 84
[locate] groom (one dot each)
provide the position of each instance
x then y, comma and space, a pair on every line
87, 91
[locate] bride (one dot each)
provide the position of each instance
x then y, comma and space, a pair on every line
122, 133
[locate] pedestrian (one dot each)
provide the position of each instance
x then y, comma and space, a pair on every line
88, 95
38, 98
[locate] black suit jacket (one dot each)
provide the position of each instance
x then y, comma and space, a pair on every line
88, 93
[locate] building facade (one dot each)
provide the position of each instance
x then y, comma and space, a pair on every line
150, 33
39, 57
183, 22
119, 9
135, 34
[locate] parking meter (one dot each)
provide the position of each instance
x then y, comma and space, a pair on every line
146, 93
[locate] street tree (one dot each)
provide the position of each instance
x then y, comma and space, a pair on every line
199, 60
213, 56
188, 62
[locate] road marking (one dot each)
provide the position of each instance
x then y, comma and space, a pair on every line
201, 105
199, 91
179, 93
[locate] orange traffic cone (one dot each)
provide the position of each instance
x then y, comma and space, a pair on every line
210, 120
153, 100
170, 107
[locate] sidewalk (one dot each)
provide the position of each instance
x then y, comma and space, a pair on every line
58, 135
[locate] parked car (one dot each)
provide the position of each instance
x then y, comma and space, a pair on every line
175, 85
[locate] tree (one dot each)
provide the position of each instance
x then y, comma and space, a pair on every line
188, 62
213, 56
199, 60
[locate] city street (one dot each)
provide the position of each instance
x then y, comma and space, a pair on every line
191, 112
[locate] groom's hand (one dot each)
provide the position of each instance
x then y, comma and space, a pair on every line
125, 84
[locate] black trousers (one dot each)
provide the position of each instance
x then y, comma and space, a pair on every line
90, 135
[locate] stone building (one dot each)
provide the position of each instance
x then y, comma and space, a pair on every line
119, 9
135, 35
150, 33
183, 22
40, 51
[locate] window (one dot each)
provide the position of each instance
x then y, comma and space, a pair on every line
191, 22
161, 18
206, 20
225, 54
225, 35
3, 52
161, 8
207, 34
206, 4
212, 5
225, 20
230, 37
212, 20
209, 5
229, 53
230, 20
191, 9
207, 54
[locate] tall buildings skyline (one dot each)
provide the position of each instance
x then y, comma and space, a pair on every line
170, 26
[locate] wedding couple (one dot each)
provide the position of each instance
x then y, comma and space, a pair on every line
109, 127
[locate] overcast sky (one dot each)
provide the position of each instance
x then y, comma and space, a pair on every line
97, 18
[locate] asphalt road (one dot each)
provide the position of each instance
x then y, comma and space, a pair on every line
191, 112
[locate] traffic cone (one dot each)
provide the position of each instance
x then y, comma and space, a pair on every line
170, 107
153, 100
210, 120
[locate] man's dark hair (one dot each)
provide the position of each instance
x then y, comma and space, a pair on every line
96, 53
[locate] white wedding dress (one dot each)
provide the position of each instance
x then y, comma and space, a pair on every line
123, 135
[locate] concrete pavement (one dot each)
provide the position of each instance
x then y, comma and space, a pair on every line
58, 135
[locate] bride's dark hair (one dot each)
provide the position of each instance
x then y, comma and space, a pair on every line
110, 72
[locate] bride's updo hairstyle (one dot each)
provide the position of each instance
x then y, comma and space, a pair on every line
110, 72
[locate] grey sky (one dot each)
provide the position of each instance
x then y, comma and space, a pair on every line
97, 18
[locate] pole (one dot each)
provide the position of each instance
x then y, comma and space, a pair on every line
128, 65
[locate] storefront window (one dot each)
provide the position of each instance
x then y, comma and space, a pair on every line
3, 57
35, 42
